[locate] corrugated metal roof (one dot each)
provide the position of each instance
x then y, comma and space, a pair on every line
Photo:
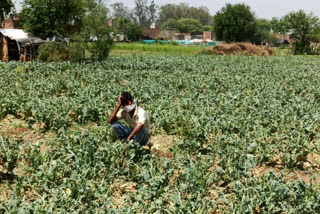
21, 36
15, 34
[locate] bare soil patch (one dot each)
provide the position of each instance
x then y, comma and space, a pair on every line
239, 49
15, 128
162, 144
122, 189
304, 175
18, 129
308, 168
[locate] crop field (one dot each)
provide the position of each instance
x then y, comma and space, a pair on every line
231, 135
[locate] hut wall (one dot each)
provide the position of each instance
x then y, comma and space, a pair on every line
13, 50
4, 55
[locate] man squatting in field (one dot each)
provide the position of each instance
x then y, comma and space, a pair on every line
136, 118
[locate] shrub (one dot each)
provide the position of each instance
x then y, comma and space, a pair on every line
302, 48
53, 52
76, 51
100, 49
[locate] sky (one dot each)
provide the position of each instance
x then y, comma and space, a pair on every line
262, 8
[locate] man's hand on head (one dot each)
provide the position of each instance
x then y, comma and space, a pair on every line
113, 116
119, 101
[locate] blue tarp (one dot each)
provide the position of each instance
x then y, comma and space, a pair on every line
186, 42
148, 41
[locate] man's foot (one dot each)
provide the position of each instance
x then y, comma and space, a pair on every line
148, 146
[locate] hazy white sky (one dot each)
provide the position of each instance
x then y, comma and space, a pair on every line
262, 8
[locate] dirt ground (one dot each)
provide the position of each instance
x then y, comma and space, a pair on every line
18, 129
162, 145
15, 129
304, 175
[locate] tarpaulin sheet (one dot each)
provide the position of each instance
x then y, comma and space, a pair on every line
14, 34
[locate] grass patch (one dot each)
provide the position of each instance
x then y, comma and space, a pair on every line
146, 49
282, 51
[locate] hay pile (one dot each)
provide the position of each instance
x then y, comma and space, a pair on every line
240, 49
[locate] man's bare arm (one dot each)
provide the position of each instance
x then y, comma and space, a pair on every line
113, 117
136, 129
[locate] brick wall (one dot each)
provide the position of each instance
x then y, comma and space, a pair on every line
11, 24
207, 35
152, 32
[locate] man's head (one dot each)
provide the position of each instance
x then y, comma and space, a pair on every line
126, 98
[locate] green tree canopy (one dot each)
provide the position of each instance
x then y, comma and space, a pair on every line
46, 18
179, 11
170, 23
191, 26
304, 28
96, 28
145, 13
129, 29
263, 31
234, 23
91, 41
5, 8
207, 28
119, 10
278, 25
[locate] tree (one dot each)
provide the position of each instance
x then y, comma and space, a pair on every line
92, 41
129, 29
170, 23
279, 26
134, 32
207, 28
263, 31
5, 8
234, 23
201, 14
119, 10
47, 18
95, 33
182, 10
152, 12
191, 26
304, 28
145, 14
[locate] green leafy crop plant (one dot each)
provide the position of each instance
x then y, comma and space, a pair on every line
246, 124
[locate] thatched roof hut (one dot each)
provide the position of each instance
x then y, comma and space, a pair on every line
16, 44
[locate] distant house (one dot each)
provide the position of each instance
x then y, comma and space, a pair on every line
153, 32
11, 24
182, 36
283, 37
281, 42
194, 36
168, 34
209, 35
16, 44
